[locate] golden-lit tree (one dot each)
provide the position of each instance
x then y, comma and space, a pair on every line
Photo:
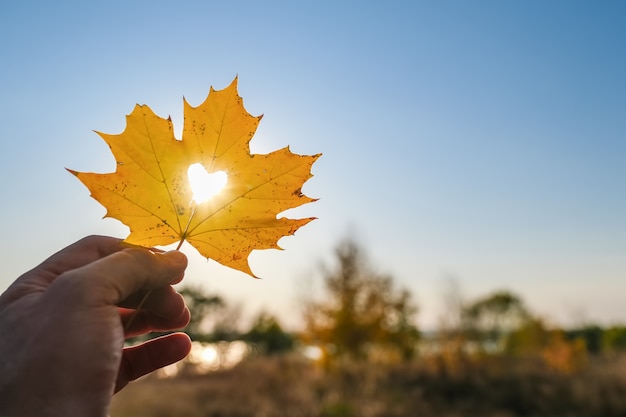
362, 314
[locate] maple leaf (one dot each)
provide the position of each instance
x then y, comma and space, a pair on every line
150, 190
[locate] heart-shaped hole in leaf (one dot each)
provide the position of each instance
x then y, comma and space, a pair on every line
203, 184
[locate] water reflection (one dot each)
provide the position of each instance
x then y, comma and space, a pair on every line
206, 357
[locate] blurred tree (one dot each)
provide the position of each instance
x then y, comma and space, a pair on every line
563, 355
200, 304
489, 319
267, 335
592, 336
212, 319
558, 350
529, 339
614, 339
362, 312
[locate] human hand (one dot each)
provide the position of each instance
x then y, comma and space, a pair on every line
62, 327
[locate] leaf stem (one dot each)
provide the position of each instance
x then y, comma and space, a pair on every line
145, 297
147, 294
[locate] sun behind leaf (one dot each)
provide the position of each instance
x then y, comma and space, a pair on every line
150, 190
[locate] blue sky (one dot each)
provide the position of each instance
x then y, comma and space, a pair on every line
483, 141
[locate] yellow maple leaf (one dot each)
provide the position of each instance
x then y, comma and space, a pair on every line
150, 190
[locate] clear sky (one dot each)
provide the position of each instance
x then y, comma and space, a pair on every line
484, 141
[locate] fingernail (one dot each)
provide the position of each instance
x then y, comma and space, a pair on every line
176, 257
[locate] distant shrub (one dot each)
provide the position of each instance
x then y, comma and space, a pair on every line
615, 339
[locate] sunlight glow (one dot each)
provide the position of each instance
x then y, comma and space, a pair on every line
205, 185
314, 353
207, 357
213, 356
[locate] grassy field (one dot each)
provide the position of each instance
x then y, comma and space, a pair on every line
290, 386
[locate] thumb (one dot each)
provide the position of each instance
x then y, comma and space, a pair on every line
113, 278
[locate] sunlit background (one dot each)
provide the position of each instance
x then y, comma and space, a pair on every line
481, 143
